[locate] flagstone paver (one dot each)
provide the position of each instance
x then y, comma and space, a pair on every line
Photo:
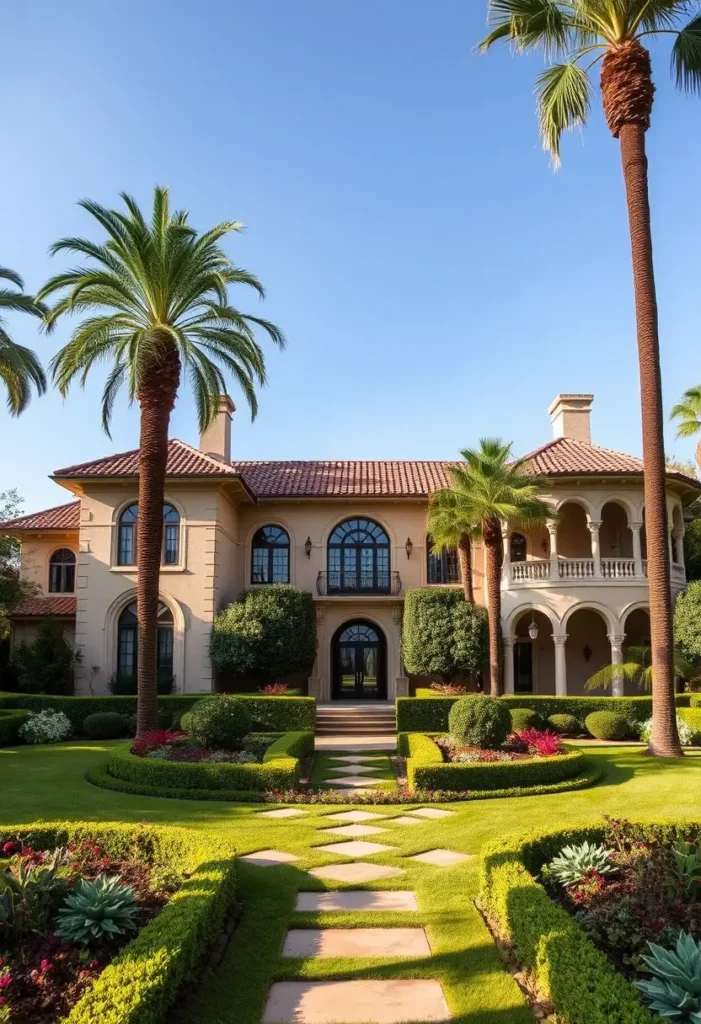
358, 758
355, 816
407, 943
405, 819
441, 858
359, 769
283, 812
357, 872
355, 1002
356, 848
433, 812
351, 899
270, 858
354, 830
350, 781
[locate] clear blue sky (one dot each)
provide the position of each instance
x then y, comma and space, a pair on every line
436, 281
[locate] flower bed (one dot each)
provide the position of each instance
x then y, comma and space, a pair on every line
583, 942
114, 971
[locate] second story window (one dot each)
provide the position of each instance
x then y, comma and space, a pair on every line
62, 572
270, 556
442, 566
518, 547
126, 539
359, 558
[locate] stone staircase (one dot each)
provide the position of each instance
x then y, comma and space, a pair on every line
366, 719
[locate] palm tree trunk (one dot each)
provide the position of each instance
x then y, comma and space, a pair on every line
491, 535
465, 559
664, 741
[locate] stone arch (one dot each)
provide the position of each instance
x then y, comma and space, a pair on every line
523, 609
594, 606
588, 626
573, 537
110, 634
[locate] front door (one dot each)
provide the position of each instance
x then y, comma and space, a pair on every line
359, 663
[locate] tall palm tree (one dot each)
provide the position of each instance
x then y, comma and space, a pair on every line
611, 31
687, 413
490, 489
19, 366
153, 300
451, 530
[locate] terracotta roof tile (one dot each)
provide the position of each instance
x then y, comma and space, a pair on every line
347, 479
566, 456
45, 607
182, 461
61, 517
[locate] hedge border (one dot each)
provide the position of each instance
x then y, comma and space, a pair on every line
291, 744
582, 984
426, 769
11, 721
692, 717
142, 982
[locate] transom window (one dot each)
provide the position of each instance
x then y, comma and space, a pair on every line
62, 572
270, 556
128, 644
126, 546
358, 557
442, 566
359, 633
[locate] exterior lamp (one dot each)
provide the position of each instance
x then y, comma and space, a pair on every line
409, 547
308, 547
533, 628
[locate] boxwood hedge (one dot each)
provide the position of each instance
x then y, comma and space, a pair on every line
692, 717
142, 982
581, 982
11, 720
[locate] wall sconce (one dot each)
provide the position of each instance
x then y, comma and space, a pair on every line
587, 652
408, 547
533, 627
308, 547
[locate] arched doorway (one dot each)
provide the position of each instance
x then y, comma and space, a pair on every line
359, 660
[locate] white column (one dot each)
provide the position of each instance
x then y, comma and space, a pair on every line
616, 641
506, 557
637, 547
678, 545
560, 639
509, 642
594, 526
671, 548
552, 530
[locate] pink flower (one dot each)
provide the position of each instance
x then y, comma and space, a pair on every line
5, 980
45, 965
8, 849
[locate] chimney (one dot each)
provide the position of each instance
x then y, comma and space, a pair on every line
570, 416
216, 439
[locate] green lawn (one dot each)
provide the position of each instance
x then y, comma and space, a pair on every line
47, 782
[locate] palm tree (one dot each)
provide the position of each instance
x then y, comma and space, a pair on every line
611, 31
638, 669
489, 489
451, 530
688, 416
153, 300
19, 366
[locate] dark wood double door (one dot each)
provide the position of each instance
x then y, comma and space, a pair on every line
359, 663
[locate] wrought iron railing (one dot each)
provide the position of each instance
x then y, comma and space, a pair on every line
330, 583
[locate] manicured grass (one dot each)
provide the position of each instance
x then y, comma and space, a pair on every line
47, 782
382, 778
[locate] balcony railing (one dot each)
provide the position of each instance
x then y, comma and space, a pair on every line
617, 568
573, 569
330, 584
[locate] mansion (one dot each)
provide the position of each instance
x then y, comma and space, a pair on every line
574, 594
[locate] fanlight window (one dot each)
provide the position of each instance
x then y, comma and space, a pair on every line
127, 641
442, 566
359, 634
62, 572
270, 556
126, 550
518, 547
358, 557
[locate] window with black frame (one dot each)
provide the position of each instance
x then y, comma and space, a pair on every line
270, 556
358, 558
128, 646
442, 566
127, 536
62, 572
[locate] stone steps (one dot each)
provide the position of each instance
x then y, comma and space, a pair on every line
358, 721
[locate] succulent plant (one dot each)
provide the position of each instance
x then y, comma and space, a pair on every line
97, 909
675, 991
573, 863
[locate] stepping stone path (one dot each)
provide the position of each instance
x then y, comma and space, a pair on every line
283, 812
354, 816
359, 848
440, 858
359, 769
350, 770
269, 858
382, 899
349, 781
406, 819
356, 872
355, 1002
354, 830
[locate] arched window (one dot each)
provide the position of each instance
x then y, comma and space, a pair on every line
126, 546
62, 572
359, 633
518, 547
442, 566
127, 642
358, 558
270, 556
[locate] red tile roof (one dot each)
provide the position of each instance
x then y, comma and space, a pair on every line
565, 456
61, 517
45, 607
348, 479
182, 461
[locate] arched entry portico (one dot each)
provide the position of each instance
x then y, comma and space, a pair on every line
359, 662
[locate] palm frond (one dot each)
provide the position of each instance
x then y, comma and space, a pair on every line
529, 24
686, 57
629, 671
688, 413
563, 92
20, 369
11, 275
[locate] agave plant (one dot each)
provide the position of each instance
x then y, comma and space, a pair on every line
675, 991
97, 909
574, 863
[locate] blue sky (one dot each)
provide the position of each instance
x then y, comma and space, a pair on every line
436, 281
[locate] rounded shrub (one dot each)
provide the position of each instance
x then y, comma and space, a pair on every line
186, 721
480, 721
566, 725
106, 725
524, 718
607, 725
219, 722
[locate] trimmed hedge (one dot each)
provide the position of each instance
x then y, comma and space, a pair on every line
581, 982
105, 725
607, 725
525, 718
692, 717
291, 744
11, 721
429, 713
426, 769
280, 773
101, 777
443, 635
566, 725
143, 981
479, 721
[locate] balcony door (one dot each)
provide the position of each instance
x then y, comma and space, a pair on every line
359, 663
358, 558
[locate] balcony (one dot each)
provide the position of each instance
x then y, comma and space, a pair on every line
358, 584
577, 570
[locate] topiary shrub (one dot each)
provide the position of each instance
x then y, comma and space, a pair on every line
105, 726
186, 721
442, 634
566, 725
480, 721
607, 725
524, 718
219, 722
266, 632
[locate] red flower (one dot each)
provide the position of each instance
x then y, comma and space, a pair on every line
9, 848
5, 980
45, 965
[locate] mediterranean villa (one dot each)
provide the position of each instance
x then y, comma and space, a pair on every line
354, 534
